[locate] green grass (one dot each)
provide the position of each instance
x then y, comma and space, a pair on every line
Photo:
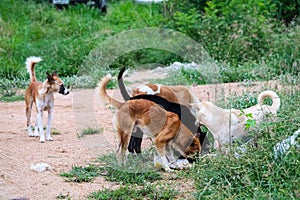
90, 131
65, 40
136, 170
82, 174
148, 191
12, 98
255, 174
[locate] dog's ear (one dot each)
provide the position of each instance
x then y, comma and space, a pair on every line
54, 73
50, 77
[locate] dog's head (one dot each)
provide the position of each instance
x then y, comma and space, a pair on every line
204, 111
55, 84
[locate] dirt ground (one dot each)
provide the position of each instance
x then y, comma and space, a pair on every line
73, 113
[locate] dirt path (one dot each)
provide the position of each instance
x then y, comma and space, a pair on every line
72, 113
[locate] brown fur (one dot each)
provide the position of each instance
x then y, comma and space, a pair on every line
163, 127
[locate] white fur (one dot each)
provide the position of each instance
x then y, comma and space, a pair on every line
30, 61
227, 125
148, 90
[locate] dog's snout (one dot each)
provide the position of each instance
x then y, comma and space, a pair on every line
63, 90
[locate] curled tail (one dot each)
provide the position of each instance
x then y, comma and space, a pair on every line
270, 94
105, 98
121, 84
30, 62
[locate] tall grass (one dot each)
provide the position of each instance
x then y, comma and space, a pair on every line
247, 45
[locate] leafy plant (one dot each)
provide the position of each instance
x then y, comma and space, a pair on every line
148, 191
90, 131
82, 174
138, 169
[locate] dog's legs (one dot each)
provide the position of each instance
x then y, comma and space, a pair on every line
48, 131
217, 144
172, 161
124, 140
28, 116
160, 143
36, 129
39, 119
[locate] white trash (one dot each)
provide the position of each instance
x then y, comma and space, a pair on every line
282, 147
40, 167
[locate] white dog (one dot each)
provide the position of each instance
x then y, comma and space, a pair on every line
227, 125
42, 94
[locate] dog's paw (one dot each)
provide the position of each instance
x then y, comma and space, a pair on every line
183, 162
168, 169
49, 139
42, 140
36, 133
176, 166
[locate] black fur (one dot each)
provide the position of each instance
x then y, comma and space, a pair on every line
183, 112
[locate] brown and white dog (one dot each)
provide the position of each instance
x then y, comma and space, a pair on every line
227, 125
42, 94
165, 128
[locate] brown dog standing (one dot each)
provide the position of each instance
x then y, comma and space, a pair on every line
163, 127
42, 94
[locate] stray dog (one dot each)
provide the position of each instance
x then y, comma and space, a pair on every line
183, 112
42, 94
227, 125
163, 127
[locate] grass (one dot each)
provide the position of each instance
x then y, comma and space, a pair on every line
90, 131
82, 174
66, 41
148, 191
12, 98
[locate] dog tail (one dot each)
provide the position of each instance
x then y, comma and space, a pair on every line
121, 84
30, 62
270, 94
105, 98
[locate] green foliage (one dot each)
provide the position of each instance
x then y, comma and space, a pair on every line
243, 37
255, 174
90, 131
55, 36
287, 10
148, 191
82, 174
243, 101
10, 89
138, 169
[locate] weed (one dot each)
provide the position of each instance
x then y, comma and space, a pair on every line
147, 191
90, 131
82, 174
137, 169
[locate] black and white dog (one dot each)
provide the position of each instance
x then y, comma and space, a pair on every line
183, 112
